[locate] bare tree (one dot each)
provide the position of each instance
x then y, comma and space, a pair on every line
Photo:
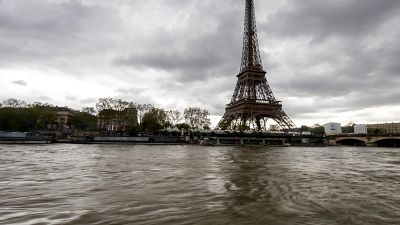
14, 103
89, 110
142, 109
115, 111
197, 118
175, 116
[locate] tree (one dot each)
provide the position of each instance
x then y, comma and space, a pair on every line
43, 115
142, 109
16, 119
273, 127
155, 120
104, 103
181, 126
14, 103
174, 116
376, 131
305, 128
317, 129
197, 118
89, 110
116, 113
16, 115
348, 128
84, 121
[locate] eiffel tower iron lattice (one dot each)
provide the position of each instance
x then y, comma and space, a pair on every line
253, 102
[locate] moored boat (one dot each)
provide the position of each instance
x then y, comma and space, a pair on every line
26, 137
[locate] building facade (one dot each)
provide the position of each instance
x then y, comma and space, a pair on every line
332, 128
64, 119
360, 129
387, 128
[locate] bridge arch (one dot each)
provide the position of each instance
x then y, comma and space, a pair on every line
351, 142
388, 142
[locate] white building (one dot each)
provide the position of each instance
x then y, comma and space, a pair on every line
333, 128
360, 129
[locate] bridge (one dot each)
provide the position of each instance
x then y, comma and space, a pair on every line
392, 140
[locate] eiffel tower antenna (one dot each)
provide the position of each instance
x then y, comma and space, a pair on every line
253, 102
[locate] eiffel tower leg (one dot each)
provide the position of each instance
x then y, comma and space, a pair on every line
258, 123
265, 123
243, 123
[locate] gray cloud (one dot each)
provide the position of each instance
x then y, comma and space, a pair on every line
71, 98
20, 82
337, 56
201, 50
44, 98
59, 34
320, 19
88, 101
346, 58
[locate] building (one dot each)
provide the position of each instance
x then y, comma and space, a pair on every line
384, 128
64, 119
360, 129
113, 120
332, 128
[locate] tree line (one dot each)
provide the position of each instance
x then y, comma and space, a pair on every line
150, 118
16, 115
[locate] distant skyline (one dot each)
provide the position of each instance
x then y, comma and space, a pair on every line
328, 61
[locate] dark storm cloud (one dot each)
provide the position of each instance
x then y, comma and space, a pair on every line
338, 55
350, 53
188, 64
320, 19
50, 32
193, 56
19, 82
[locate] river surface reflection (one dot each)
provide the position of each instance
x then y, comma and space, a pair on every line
134, 184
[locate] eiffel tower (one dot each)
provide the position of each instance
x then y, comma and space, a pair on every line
253, 102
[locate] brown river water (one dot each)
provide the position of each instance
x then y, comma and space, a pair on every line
136, 184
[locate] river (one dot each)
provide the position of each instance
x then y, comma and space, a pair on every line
143, 184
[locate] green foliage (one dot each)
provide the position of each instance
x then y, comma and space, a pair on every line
348, 129
45, 117
274, 127
155, 120
116, 112
15, 119
26, 119
182, 125
376, 131
16, 115
317, 130
84, 121
305, 128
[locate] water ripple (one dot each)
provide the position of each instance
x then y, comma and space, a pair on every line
113, 184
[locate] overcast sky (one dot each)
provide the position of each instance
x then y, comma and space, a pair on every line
327, 60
